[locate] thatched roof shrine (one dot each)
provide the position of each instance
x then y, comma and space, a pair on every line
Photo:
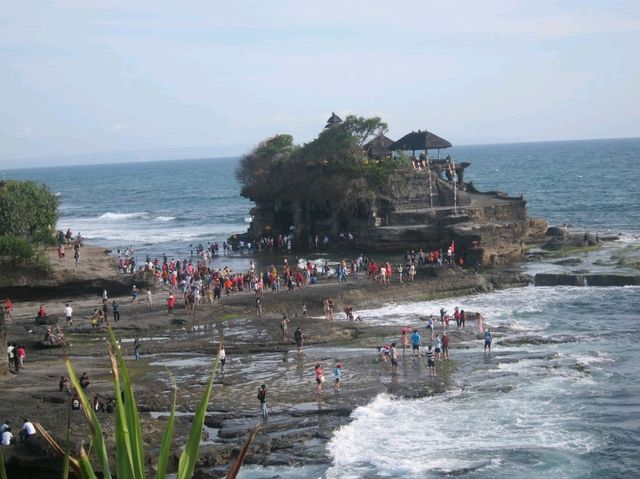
378, 147
333, 120
420, 140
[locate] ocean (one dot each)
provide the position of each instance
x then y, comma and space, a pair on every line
566, 405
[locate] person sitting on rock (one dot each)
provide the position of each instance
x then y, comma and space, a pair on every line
7, 437
27, 431
42, 312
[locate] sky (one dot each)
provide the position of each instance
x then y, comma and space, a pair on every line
96, 81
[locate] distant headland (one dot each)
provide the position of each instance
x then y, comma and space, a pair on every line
354, 186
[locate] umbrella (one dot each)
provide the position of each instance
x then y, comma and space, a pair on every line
406, 329
420, 140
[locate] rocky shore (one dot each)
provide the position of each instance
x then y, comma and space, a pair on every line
183, 348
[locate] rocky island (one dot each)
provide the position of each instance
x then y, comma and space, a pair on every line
355, 186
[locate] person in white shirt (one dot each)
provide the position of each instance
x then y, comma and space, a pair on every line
7, 437
28, 430
68, 313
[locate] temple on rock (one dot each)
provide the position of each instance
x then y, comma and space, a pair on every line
426, 204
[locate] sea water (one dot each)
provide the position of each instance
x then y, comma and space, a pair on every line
568, 407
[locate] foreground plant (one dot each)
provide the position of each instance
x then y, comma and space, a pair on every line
130, 458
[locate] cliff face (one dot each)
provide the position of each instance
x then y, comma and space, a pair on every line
420, 211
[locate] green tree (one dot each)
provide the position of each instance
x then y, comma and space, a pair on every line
27, 210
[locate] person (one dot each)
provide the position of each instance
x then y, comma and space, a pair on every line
479, 320
105, 295
76, 256
445, 346
430, 326
42, 312
262, 397
134, 294
487, 340
84, 381
75, 403
337, 374
7, 437
136, 348
68, 312
415, 342
463, 317
393, 354
405, 341
28, 430
63, 385
97, 405
21, 355
8, 309
299, 339
115, 307
384, 351
284, 327
258, 306
149, 300
437, 346
222, 355
304, 311
4, 426
171, 301
319, 378
431, 361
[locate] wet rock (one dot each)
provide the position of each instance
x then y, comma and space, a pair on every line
522, 340
567, 262
568, 279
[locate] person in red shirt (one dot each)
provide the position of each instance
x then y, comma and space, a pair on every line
8, 309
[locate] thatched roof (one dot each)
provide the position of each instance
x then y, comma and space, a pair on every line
379, 146
420, 140
333, 120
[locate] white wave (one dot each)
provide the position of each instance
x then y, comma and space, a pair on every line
164, 218
123, 216
461, 429
248, 219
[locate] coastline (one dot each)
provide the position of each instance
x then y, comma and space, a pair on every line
187, 344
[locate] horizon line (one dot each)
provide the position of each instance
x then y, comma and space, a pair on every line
238, 155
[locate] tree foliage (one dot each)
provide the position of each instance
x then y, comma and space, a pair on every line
28, 210
332, 170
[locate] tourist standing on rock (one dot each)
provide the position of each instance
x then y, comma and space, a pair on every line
479, 320
262, 397
319, 378
463, 318
115, 307
136, 348
8, 309
68, 313
437, 346
416, 340
148, 298
330, 308
134, 294
171, 302
284, 327
487, 340
431, 361
222, 355
299, 339
445, 346
393, 354
405, 342
337, 374
258, 306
